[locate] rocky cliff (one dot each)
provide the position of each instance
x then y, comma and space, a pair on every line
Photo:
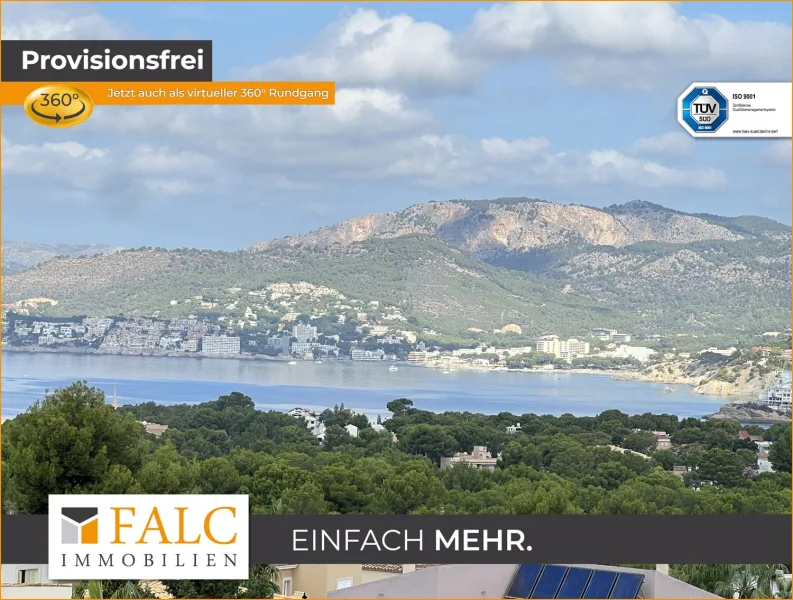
520, 225
749, 413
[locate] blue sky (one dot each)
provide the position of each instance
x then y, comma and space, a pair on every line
570, 102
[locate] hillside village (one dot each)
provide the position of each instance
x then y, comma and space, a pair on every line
305, 322
271, 324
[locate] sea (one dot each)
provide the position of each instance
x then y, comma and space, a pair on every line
363, 387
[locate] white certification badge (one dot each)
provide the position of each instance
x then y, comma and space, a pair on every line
737, 110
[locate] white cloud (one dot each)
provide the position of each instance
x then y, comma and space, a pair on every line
631, 44
639, 45
779, 152
611, 166
376, 132
673, 143
56, 21
514, 150
364, 49
146, 159
111, 175
72, 162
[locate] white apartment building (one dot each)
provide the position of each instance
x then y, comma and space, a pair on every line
304, 333
610, 335
636, 352
726, 352
190, 345
420, 356
312, 421
499, 581
309, 347
220, 345
574, 348
566, 349
31, 574
31, 581
549, 344
279, 342
517, 351
604, 335
358, 354
308, 416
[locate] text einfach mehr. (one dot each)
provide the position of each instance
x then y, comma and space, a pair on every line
399, 540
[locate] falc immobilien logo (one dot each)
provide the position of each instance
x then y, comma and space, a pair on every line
148, 536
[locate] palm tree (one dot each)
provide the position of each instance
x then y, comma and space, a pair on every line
125, 591
704, 577
263, 582
736, 581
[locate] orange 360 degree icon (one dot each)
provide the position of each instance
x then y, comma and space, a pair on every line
59, 106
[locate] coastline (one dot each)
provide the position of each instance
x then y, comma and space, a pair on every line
615, 374
744, 388
154, 354
264, 357
363, 386
692, 385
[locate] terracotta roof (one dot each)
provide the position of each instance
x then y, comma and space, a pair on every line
156, 588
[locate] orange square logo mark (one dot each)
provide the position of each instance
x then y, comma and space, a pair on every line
80, 525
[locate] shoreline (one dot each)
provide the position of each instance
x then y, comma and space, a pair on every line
297, 377
613, 374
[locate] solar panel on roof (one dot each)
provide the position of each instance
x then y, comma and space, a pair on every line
575, 583
523, 582
550, 582
627, 586
600, 584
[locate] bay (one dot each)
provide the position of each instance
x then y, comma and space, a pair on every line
362, 387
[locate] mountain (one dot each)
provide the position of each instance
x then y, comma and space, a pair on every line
519, 225
457, 265
20, 256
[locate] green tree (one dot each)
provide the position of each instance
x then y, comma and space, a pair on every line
639, 441
400, 406
665, 458
96, 590
70, 442
722, 467
261, 583
166, 472
429, 441
779, 453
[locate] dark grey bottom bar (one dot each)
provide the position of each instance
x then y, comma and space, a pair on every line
477, 539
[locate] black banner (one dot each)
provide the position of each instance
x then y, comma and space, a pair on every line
59, 61
474, 539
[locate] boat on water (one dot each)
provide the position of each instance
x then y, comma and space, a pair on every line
778, 395
446, 372
668, 390
393, 368
292, 362
317, 362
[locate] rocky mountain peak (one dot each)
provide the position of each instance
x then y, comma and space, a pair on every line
519, 225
